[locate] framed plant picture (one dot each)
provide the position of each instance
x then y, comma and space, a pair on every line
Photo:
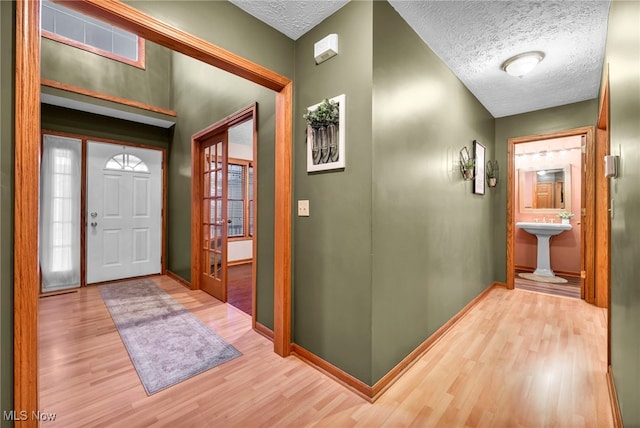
326, 134
480, 154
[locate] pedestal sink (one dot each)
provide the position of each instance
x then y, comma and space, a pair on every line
544, 231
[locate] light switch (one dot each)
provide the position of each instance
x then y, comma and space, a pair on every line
303, 208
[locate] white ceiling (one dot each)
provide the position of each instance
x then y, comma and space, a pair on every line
475, 37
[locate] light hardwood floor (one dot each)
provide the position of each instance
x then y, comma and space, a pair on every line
517, 359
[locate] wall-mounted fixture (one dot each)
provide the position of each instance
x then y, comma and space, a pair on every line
325, 48
611, 166
493, 173
523, 63
467, 164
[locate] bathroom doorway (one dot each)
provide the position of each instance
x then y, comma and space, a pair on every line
551, 174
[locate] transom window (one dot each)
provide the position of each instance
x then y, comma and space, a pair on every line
73, 28
126, 162
240, 199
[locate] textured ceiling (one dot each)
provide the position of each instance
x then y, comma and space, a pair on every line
292, 18
475, 37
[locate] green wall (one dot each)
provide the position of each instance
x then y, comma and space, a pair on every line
7, 65
431, 235
62, 119
623, 57
202, 95
537, 122
67, 64
228, 27
332, 247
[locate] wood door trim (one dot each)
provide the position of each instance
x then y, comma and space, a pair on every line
196, 185
106, 97
26, 273
27, 130
588, 131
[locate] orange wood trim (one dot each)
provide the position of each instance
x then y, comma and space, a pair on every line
282, 229
395, 373
355, 385
140, 63
603, 218
254, 267
265, 331
613, 398
196, 213
27, 123
511, 195
178, 279
588, 228
135, 21
106, 97
27, 169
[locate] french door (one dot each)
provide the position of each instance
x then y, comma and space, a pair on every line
213, 224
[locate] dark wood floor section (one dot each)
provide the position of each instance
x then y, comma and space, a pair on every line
569, 289
239, 287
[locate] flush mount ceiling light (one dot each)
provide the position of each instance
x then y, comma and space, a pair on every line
523, 63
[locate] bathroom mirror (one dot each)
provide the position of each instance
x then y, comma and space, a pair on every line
544, 190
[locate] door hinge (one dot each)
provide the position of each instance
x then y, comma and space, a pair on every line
583, 274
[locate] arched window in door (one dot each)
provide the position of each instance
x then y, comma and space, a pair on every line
126, 162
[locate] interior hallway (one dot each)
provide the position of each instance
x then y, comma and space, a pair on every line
518, 358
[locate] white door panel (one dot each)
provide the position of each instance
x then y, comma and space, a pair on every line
124, 206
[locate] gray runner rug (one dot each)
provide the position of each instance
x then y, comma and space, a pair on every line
167, 344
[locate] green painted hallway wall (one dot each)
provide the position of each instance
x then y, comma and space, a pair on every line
7, 66
623, 58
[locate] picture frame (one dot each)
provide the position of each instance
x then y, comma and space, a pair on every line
323, 151
480, 153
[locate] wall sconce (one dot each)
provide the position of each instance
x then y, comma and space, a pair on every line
467, 164
493, 173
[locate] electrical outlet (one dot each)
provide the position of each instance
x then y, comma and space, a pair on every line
303, 208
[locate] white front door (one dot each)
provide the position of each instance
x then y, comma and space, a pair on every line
124, 211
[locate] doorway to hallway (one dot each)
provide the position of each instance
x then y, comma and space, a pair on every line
224, 210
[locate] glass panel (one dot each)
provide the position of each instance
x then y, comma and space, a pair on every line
212, 217
214, 259
236, 215
206, 212
125, 46
219, 182
126, 162
98, 37
205, 158
218, 211
88, 31
206, 185
59, 245
205, 236
250, 182
250, 218
69, 27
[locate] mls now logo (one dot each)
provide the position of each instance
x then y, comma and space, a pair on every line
23, 415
